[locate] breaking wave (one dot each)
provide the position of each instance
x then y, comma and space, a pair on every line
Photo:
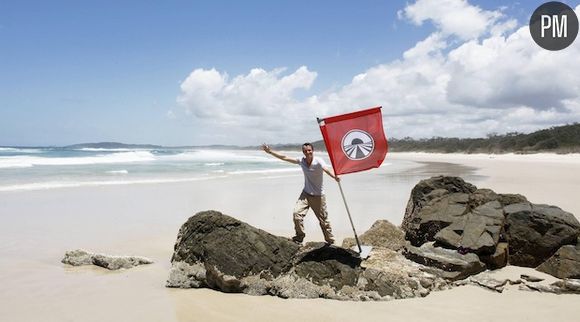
30, 161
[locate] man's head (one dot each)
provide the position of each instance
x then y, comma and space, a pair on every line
308, 150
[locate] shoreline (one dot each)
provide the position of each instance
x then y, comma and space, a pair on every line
37, 227
543, 179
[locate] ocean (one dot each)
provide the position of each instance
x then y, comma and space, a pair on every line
23, 169
50, 168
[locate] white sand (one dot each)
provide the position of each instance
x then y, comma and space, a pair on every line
542, 178
37, 227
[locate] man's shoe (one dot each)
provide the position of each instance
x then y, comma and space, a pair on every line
297, 240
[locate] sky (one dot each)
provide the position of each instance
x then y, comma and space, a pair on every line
245, 72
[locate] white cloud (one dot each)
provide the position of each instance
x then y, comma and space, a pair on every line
506, 72
260, 104
456, 17
209, 93
431, 45
465, 79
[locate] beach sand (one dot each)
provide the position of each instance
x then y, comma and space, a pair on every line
37, 227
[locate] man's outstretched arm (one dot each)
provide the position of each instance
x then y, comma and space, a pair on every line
282, 157
330, 172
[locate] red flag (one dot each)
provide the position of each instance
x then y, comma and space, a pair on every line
355, 141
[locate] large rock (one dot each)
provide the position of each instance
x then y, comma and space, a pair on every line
223, 250
565, 263
425, 191
381, 234
216, 251
328, 265
477, 230
536, 232
456, 214
453, 265
80, 257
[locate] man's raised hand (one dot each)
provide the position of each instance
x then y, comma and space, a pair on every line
266, 148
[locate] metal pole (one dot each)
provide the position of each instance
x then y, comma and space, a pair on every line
350, 218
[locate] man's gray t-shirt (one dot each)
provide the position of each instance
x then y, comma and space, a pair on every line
312, 175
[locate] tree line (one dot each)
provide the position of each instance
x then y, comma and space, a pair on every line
557, 139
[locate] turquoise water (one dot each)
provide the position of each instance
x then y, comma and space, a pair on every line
51, 168
47, 168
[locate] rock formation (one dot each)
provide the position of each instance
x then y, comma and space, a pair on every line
565, 263
217, 251
223, 250
498, 228
381, 234
81, 257
536, 232
454, 232
524, 282
451, 264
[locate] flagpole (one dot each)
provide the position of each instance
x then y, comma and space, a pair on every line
350, 218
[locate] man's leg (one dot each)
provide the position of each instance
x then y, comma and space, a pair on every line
300, 210
318, 205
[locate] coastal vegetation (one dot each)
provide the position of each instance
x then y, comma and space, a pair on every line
557, 139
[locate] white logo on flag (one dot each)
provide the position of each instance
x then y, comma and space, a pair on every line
357, 145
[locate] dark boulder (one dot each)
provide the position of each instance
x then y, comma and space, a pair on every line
423, 193
477, 230
455, 214
565, 263
229, 249
535, 232
220, 252
323, 264
437, 214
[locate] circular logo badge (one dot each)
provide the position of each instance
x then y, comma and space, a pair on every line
357, 145
554, 25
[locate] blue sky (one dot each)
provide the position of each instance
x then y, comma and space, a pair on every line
232, 72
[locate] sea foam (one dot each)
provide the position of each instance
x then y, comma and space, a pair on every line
20, 150
214, 157
118, 171
30, 161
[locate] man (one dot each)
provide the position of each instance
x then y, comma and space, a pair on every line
312, 195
